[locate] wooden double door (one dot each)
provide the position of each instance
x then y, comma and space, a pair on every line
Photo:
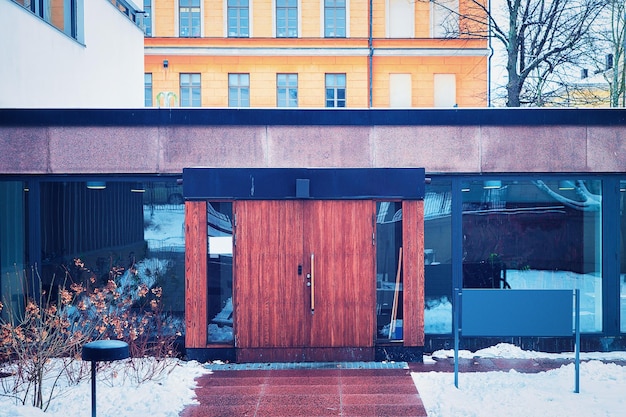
304, 280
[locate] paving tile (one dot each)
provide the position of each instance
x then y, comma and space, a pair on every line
383, 411
307, 392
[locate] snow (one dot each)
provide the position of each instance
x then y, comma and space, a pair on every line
516, 394
511, 394
118, 393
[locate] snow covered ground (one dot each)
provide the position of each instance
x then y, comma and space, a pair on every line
515, 394
488, 394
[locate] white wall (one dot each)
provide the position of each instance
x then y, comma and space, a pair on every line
41, 67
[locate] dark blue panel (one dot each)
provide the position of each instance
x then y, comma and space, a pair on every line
324, 183
312, 117
493, 312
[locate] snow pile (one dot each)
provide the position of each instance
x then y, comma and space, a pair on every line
515, 394
118, 394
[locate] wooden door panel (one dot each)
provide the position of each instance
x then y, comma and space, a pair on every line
269, 294
339, 233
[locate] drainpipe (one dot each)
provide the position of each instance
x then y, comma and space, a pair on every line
371, 53
490, 54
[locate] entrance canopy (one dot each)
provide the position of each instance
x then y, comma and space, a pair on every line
303, 183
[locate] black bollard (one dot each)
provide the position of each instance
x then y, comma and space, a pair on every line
102, 350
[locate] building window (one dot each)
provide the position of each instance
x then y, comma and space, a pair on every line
66, 16
400, 90
335, 90
238, 90
190, 90
445, 90
147, 17
147, 86
335, 18
238, 19
189, 18
445, 19
287, 90
536, 234
400, 20
286, 18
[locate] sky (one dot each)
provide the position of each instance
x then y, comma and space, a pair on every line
488, 394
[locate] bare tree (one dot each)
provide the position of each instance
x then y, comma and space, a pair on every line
538, 37
615, 36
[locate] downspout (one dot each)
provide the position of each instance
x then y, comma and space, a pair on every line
490, 54
370, 54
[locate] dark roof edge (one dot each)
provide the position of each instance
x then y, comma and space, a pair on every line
313, 117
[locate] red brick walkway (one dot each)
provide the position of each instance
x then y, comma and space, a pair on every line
310, 393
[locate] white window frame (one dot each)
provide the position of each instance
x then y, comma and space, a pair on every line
225, 19
322, 22
299, 35
177, 19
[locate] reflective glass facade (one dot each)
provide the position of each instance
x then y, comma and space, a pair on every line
518, 232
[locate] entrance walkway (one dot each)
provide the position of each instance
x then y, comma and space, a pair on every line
365, 390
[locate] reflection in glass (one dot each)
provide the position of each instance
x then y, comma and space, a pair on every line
220, 272
622, 234
534, 235
13, 215
438, 257
388, 274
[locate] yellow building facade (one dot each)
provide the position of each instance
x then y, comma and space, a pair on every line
312, 54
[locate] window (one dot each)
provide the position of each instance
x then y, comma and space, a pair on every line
287, 90
220, 272
399, 90
286, 18
335, 19
238, 19
445, 21
536, 234
388, 278
147, 86
238, 90
147, 17
66, 16
622, 252
190, 90
335, 90
189, 18
438, 256
400, 20
445, 90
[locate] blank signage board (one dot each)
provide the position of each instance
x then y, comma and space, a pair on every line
494, 312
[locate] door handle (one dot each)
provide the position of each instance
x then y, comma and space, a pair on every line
312, 283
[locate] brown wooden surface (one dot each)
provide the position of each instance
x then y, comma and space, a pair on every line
339, 233
413, 272
196, 274
269, 295
273, 303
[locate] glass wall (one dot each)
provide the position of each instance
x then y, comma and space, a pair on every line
536, 234
622, 238
388, 272
13, 245
220, 272
438, 256
129, 231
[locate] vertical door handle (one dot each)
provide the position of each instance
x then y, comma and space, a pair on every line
312, 283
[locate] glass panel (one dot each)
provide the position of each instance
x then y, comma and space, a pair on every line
130, 232
622, 234
388, 278
438, 257
220, 272
13, 265
542, 234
